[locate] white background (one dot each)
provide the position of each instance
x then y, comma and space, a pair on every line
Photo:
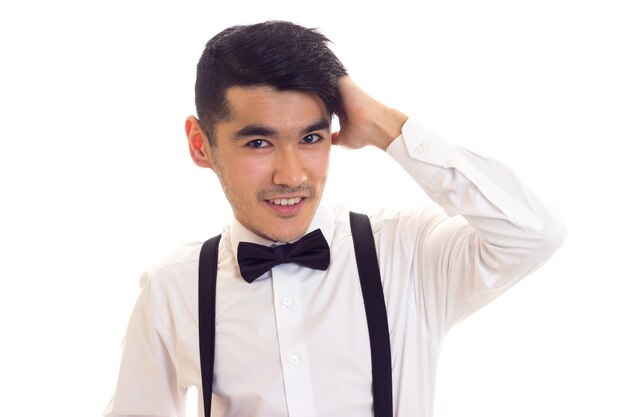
96, 182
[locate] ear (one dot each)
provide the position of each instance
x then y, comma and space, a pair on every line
198, 143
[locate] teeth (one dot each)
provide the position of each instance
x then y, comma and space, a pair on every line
286, 201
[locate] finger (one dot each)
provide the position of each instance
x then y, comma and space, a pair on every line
334, 137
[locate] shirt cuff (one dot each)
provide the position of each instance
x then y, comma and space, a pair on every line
421, 144
416, 143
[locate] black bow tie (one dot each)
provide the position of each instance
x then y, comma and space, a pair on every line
311, 251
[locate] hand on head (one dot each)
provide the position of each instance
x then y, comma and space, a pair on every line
364, 120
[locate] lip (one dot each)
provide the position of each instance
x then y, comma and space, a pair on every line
286, 210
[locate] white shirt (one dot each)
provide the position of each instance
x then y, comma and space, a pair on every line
295, 341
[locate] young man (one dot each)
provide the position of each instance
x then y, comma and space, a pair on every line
293, 339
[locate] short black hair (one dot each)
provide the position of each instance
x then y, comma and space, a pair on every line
280, 54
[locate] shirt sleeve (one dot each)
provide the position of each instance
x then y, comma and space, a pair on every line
492, 231
147, 382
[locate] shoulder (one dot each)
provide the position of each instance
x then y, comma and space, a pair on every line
392, 221
175, 268
397, 221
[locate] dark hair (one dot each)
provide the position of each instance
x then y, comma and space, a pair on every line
283, 55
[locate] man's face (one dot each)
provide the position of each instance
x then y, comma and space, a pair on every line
271, 156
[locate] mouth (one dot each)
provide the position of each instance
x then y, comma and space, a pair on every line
285, 201
286, 207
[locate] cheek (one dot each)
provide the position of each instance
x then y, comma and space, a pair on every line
318, 163
246, 176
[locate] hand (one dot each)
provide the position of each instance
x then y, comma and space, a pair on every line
363, 120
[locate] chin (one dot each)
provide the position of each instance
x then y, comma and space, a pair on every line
282, 236
283, 231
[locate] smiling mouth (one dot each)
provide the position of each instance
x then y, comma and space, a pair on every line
285, 201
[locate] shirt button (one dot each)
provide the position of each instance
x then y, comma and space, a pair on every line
419, 148
287, 301
294, 360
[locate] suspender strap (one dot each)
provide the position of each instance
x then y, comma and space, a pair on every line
207, 274
373, 298
375, 311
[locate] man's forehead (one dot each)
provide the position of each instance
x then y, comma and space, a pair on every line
277, 109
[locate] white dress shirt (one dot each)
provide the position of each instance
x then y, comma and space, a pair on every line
295, 341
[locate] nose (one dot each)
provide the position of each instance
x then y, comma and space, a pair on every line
288, 169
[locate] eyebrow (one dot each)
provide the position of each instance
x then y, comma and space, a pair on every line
260, 130
254, 130
321, 124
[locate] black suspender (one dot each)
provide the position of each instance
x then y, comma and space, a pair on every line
207, 280
375, 311
373, 298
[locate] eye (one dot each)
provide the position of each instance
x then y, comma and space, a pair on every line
312, 138
258, 144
